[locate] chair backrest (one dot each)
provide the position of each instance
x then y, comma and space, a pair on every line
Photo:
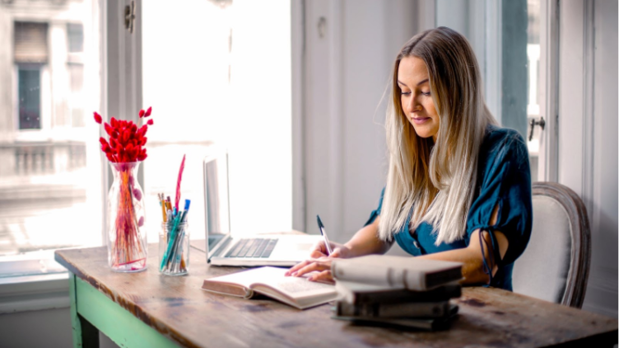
555, 264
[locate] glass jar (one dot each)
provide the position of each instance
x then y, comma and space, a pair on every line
126, 243
174, 248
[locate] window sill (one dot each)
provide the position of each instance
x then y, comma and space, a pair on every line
34, 292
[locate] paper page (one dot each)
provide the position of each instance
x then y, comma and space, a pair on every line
295, 291
293, 286
246, 277
271, 281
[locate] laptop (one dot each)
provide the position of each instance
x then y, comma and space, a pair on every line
222, 249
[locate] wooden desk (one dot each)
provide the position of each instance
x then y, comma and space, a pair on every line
148, 310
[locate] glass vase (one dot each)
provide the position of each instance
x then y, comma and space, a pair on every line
127, 248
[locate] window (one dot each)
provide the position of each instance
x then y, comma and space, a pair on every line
186, 79
29, 81
506, 38
50, 191
30, 54
219, 74
53, 184
75, 35
533, 63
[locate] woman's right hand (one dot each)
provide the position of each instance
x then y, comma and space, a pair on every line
320, 250
320, 262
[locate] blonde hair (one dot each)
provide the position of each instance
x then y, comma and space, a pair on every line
436, 181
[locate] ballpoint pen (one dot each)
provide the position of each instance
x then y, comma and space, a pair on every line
324, 235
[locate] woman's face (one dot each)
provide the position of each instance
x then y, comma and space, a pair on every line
416, 98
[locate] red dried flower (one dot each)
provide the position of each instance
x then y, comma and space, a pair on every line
141, 114
126, 140
150, 122
108, 128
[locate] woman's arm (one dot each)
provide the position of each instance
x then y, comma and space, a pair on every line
364, 242
471, 257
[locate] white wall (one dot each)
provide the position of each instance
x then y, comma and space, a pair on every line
49, 328
346, 73
602, 290
588, 134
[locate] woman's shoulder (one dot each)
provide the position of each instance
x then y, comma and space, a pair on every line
502, 142
498, 137
497, 134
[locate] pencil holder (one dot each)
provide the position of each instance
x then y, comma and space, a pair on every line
174, 248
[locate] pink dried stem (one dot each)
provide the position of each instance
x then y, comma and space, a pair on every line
128, 246
178, 184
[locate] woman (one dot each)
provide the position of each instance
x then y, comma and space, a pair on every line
458, 186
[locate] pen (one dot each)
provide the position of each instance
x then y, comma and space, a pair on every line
324, 235
163, 208
184, 216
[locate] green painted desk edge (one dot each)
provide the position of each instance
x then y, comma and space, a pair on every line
85, 329
107, 316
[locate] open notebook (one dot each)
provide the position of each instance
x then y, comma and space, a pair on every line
270, 281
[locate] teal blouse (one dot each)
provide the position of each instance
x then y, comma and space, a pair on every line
504, 178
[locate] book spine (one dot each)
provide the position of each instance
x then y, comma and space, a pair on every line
402, 296
371, 275
411, 309
413, 280
393, 277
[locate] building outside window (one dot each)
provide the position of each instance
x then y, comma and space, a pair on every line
50, 176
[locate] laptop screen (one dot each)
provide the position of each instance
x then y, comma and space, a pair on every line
216, 199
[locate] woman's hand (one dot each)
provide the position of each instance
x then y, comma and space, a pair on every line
320, 250
320, 262
321, 267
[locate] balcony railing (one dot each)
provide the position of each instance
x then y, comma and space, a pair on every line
41, 158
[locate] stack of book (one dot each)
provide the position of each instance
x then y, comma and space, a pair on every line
404, 292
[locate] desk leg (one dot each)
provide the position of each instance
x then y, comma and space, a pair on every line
84, 333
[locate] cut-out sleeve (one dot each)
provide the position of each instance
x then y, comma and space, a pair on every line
375, 213
504, 179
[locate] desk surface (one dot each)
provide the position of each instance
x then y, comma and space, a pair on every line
178, 309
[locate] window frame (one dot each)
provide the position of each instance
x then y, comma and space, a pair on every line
118, 51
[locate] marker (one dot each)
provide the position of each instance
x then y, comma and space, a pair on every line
324, 235
184, 215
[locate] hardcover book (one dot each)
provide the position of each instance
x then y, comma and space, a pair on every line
430, 324
395, 310
362, 293
397, 271
297, 292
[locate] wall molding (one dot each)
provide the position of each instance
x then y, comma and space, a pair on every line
549, 90
588, 112
336, 111
299, 204
33, 293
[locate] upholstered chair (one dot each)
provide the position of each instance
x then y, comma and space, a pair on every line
555, 264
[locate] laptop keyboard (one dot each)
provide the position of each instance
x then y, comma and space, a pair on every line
252, 248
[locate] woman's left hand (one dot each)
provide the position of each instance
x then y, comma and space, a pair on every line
321, 267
